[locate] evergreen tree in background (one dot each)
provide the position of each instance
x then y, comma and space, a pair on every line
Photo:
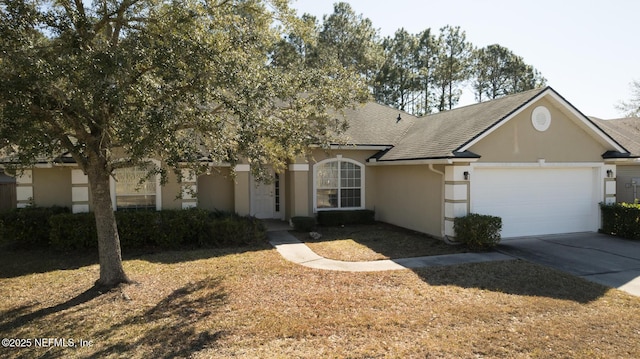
453, 66
499, 72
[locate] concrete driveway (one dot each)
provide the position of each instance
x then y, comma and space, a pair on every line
597, 257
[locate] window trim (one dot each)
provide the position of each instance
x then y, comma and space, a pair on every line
112, 185
315, 184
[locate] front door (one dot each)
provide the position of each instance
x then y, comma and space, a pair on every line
265, 199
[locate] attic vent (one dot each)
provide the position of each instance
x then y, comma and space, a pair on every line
398, 119
541, 118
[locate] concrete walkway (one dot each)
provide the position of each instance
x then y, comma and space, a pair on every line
297, 252
596, 257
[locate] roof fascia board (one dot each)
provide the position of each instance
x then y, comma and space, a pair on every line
627, 160
506, 119
590, 124
355, 147
537, 164
361, 147
207, 162
435, 161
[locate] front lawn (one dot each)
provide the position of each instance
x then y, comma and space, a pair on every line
369, 242
251, 303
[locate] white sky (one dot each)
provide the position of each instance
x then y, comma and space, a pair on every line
589, 51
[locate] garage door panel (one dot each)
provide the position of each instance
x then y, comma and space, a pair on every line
537, 201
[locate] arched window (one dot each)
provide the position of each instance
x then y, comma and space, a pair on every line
338, 183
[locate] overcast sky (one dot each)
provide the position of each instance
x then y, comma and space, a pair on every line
589, 51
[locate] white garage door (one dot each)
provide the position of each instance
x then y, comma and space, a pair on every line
536, 201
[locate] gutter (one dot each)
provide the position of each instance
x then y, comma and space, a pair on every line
435, 161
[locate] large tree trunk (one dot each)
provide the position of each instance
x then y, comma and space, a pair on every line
111, 270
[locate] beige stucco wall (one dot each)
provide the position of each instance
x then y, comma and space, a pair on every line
52, 187
242, 193
519, 141
215, 191
410, 197
170, 192
297, 190
624, 187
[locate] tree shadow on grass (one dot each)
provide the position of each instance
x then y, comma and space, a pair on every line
19, 262
172, 327
516, 277
187, 255
17, 319
177, 326
385, 239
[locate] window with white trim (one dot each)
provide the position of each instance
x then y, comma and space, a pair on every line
338, 184
130, 193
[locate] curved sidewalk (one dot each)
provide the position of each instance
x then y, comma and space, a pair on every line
297, 252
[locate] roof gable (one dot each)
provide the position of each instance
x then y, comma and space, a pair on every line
450, 134
565, 107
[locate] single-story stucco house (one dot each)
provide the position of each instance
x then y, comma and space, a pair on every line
531, 158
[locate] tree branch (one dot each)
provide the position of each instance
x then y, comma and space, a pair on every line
107, 16
61, 135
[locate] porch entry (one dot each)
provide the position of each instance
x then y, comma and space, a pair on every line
266, 198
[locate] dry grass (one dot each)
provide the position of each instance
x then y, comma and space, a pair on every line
373, 242
254, 304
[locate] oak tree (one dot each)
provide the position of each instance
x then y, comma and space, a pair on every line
113, 83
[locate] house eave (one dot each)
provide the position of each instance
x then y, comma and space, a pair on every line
422, 161
360, 147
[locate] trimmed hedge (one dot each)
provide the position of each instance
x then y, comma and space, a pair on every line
167, 229
340, 218
478, 232
303, 224
73, 231
621, 219
28, 227
235, 230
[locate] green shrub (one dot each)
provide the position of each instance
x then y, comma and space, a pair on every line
338, 218
477, 231
235, 230
73, 231
168, 229
184, 228
29, 227
138, 229
621, 219
303, 224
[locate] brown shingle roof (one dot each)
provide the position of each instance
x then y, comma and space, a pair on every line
624, 130
376, 124
441, 134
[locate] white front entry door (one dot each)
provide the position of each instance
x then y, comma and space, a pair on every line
264, 198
